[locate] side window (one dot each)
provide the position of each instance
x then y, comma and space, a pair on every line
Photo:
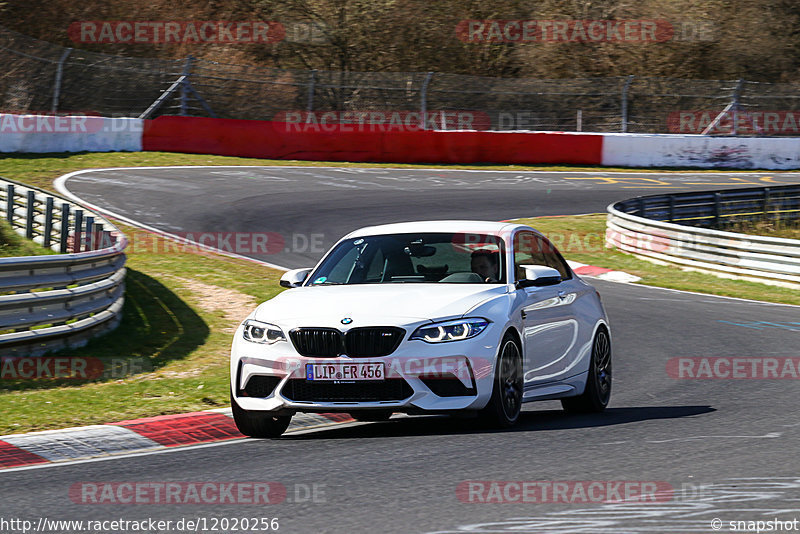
554, 259
528, 250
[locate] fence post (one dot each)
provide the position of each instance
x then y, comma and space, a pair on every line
59, 77
717, 207
10, 204
766, 204
64, 228
78, 230
312, 86
187, 71
424, 100
737, 92
30, 214
625, 89
48, 222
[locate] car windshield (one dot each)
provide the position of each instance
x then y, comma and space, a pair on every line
421, 257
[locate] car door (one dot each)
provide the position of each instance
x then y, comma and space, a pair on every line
550, 328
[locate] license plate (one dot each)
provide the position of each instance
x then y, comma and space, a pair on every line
346, 372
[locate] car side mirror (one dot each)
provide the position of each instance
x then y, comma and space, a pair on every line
295, 277
538, 276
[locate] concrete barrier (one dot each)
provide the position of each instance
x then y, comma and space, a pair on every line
50, 133
699, 151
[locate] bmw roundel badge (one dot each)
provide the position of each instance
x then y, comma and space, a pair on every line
347, 320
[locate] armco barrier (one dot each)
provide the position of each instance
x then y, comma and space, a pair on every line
52, 133
642, 226
277, 140
79, 293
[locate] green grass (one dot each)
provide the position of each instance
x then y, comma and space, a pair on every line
176, 346
788, 229
179, 348
12, 244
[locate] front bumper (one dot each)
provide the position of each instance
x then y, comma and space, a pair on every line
420, 377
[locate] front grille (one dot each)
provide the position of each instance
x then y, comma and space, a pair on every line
317, 342
311, 391
447, 386
261, 386
362, 342
373, 341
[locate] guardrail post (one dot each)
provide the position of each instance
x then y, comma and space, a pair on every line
717, 207
89, 234
766, 203
78, 230
64, 228
10, 204
100, 240
671, 208
48, 222
30, 214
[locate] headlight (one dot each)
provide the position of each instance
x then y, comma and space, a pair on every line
450, 330
259, 332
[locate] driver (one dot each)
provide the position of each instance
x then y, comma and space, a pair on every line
485, 263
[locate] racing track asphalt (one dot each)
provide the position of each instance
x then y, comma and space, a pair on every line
727, 447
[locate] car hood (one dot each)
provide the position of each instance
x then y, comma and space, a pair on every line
373, 304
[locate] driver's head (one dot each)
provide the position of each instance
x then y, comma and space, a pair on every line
485, 264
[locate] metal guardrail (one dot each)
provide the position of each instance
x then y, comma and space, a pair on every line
681, 229
60, 300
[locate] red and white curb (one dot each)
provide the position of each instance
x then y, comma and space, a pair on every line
139, 435
602, 273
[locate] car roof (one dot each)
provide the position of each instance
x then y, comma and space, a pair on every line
454, 226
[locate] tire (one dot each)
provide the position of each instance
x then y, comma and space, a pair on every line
371, 415
259, 424
505, 404
597, 393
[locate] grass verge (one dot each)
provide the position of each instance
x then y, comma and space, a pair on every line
171, 351
12, 244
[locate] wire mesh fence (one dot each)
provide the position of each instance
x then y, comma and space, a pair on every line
40, 77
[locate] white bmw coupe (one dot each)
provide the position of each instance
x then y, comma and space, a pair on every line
424, 317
